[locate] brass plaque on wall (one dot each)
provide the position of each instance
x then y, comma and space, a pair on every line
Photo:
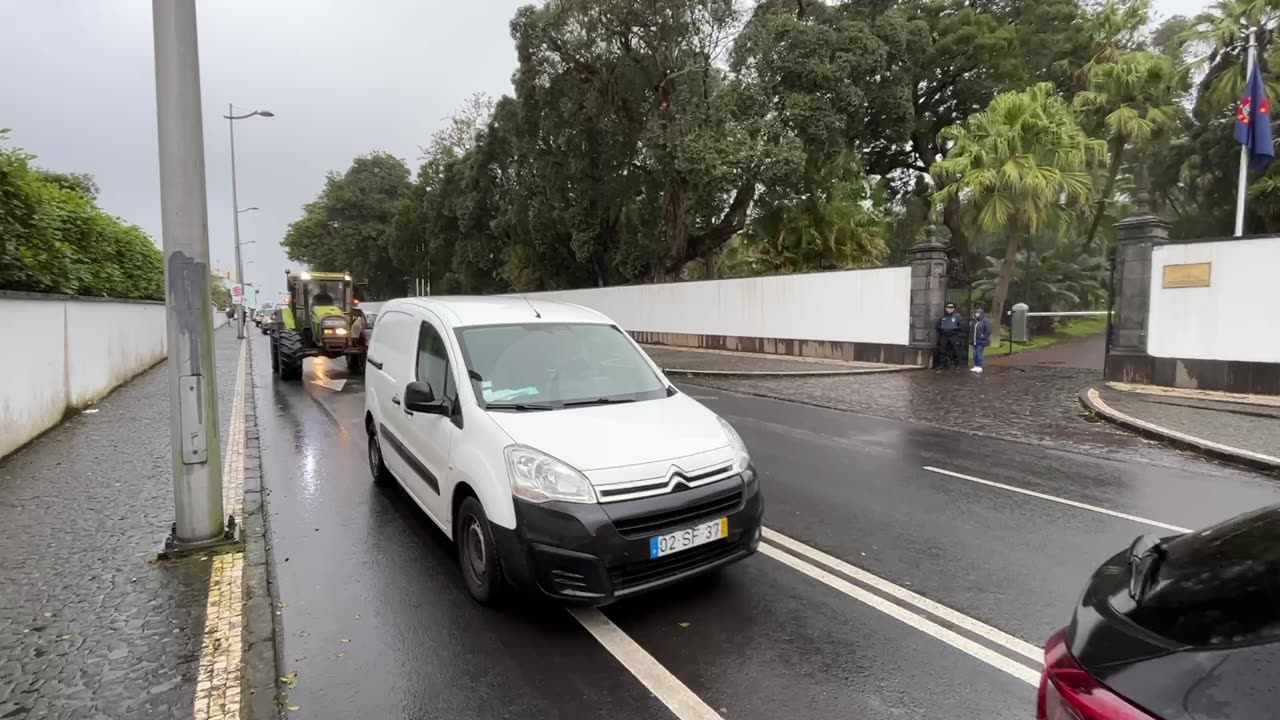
1187, 276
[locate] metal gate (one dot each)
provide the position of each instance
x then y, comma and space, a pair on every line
960, 291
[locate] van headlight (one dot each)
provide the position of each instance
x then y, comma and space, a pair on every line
742, 458
538, 478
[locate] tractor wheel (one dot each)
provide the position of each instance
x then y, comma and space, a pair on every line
355, 365
275, 357
289, 344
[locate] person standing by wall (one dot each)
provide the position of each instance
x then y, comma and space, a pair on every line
979, 337
950, 337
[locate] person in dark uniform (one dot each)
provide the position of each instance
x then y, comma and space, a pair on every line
951, 337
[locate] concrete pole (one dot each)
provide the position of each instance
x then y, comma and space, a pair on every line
193, 399
235, 224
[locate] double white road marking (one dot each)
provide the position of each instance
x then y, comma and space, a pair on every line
686, 705
1022, 660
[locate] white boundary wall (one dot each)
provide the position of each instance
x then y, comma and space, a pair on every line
1229, 320
66, 353
864, 306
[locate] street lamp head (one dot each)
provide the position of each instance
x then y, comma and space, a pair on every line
266, 113
245, 210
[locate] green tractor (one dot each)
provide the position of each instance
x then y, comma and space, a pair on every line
317, 320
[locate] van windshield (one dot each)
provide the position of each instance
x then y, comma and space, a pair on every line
546, 366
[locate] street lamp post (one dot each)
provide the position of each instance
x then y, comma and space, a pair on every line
193, 389
231, 118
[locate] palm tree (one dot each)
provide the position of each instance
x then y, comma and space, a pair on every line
1017, 165
1133, 98
1221, 34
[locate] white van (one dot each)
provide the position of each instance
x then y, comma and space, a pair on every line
551, 449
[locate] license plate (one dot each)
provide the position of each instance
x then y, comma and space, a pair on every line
688, 538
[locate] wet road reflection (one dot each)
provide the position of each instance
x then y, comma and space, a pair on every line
377, 623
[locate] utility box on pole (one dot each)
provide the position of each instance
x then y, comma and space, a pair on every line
193, 398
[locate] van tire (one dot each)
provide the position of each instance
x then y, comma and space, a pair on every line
355, 365
377, 466
477, 553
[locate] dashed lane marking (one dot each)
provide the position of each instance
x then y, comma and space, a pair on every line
939, 610
218, 681
678, 698
924, 625
1061, 501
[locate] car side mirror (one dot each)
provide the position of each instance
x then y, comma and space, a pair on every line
419, 397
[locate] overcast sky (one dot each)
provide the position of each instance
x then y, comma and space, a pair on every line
344, 77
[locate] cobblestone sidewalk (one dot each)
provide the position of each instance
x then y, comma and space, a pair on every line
682, 361
1034, 404
89, 626
1238, 428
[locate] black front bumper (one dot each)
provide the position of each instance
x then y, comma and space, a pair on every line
595, 554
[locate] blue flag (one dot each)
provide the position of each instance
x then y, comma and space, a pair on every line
1253, 123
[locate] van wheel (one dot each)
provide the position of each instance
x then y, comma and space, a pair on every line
377, 468
477, 553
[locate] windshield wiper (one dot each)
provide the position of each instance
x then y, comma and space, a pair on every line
1145, 554
520, 407
598, 401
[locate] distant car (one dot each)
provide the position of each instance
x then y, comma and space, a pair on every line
262, 313
272, 319
549, 447
363, 318
1182, 628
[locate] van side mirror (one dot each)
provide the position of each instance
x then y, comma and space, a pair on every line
419, 397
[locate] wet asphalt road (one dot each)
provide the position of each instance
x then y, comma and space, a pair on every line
376, 622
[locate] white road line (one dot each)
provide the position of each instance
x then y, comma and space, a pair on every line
959, 619
1063, 501
954, 639
666, 687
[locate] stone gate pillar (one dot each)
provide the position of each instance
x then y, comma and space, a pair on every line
928, 292
1136, 237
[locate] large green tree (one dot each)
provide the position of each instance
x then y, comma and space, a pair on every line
349, 224
1018, 166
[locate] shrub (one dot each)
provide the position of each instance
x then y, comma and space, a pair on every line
55, 239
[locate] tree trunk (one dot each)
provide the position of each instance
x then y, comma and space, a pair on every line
677, 230
1006, 276
1117, 155
710, 260
951, 219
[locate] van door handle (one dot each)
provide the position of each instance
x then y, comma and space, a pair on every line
395, 399
375, 363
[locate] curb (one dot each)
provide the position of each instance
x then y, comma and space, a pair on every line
261, 659
1093, 402
685, 372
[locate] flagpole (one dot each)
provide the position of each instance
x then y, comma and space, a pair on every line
1242, 190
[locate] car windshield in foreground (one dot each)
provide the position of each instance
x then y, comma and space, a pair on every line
549, 366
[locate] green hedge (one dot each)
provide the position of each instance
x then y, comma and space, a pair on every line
55, 239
